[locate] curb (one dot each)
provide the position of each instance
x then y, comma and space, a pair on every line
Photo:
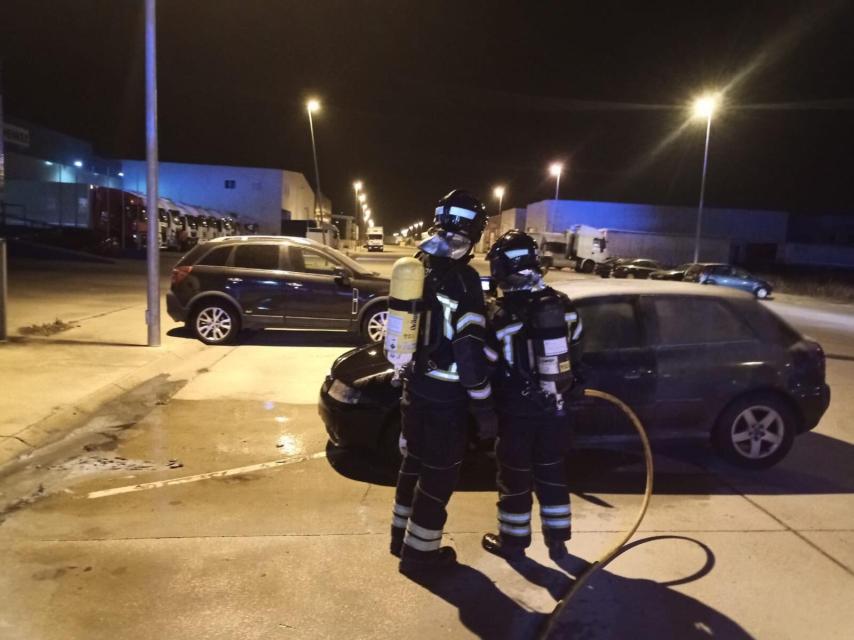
17, 449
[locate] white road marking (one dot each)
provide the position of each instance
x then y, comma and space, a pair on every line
204, 476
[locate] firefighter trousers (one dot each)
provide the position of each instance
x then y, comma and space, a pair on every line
530, 455
436, 436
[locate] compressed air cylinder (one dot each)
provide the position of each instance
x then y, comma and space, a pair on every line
551, 349
404, 311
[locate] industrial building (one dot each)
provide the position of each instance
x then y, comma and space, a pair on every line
754, 236
264, 196
49, 176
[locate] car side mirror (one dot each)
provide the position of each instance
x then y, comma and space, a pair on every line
342, 276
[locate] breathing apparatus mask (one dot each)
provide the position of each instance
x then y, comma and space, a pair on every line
446, 244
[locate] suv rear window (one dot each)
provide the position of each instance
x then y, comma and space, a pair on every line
609, 325
216, 258
192, 255
685, 320
257, 256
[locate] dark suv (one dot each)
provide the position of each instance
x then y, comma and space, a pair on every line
242, 282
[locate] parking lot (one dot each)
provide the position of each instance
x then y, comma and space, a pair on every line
208, 503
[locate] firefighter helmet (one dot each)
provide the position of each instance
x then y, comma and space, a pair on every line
514, 261
460, 212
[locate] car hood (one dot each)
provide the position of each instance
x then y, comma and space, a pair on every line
362, 366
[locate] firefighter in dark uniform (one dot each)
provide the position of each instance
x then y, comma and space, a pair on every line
535, 332
449, 378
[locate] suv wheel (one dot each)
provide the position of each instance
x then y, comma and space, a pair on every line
755, 432
373, 324
215, 322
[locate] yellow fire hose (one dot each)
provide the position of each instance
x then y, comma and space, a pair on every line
609, 555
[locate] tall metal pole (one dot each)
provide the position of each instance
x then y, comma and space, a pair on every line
3, 290
702, 191
152, 315
557, 184
316, 170
500, 200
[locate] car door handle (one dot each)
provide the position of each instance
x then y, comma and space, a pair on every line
235, 279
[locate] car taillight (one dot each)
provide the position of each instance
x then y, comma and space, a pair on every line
809, 361
179, 274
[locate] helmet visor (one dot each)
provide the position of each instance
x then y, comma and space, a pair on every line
446, 244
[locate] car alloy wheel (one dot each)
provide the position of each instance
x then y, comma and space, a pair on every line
375, 326
214, 324
757, 432
762, 293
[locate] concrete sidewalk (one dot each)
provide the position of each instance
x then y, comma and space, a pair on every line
52, 384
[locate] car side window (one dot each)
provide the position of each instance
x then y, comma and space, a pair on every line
257, 256
685, 320
609, 325
311, 261
216, 258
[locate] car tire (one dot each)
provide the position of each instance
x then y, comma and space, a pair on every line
755, 431
215, 322
761, 293
373, 324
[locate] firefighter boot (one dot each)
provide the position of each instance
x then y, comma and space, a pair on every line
493, 543
442, 558
557, 549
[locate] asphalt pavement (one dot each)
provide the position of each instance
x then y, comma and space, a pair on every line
207, 503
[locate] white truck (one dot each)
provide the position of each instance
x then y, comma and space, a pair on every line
580, 247
375, 239
583, 247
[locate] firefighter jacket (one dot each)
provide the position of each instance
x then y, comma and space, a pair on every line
515, 344
450, 363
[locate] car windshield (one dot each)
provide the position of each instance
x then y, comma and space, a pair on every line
346, 260
375, 236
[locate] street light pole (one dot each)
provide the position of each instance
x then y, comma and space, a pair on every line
153, 249
702, 190
311, 106
704, 107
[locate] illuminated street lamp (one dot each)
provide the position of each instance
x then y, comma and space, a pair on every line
312, 106
704, 107
498, 192
555, 169
362, 198
357, 188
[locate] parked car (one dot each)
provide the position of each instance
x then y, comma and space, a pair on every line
604, 269
638, 268
243, 282
728, 276
691, 361
676, 273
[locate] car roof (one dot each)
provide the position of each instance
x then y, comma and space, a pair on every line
281, 239
587, 289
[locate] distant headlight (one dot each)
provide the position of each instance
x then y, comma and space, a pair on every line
344, 393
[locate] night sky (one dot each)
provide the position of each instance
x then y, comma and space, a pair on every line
423, 96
